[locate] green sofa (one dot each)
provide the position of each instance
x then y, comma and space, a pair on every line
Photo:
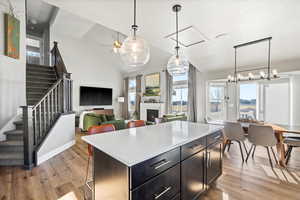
92, 119
174, 117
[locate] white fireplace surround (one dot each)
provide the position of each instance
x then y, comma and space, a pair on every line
152, 106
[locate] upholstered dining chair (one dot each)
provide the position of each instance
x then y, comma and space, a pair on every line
91, 131
260, 135
233, 131
292, 141
136, 123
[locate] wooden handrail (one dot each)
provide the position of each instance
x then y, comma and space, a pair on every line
58, 63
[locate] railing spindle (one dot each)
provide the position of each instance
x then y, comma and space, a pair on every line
34, 127
71, 96
48, 109
51, 107
44, 117
40, 122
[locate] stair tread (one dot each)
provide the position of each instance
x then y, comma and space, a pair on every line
11, 143
20, 122
41, 71
37, 87
39, 79
11, 155
39, 76
14, 132
35, 92
39, 66
35, 81
38, 71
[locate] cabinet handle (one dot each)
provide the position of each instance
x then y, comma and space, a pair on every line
162, 163
208, 162
157, 196
196, 146
218, 137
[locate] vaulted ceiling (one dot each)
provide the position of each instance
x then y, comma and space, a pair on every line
220, 23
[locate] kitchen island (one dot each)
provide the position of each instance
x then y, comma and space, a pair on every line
174, 160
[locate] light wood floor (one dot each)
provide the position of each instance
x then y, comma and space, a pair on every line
62, 178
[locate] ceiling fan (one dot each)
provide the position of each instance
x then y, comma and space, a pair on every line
116, 43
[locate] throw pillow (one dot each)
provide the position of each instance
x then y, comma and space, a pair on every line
110, 117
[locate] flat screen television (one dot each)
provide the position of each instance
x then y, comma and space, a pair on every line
93, 96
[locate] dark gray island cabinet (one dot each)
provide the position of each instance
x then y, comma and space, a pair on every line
172, 161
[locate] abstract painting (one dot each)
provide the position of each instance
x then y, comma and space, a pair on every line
12, 36
152, 84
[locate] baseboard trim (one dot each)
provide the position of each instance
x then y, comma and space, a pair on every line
54, 152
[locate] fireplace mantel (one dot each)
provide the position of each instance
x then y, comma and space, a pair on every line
152, 106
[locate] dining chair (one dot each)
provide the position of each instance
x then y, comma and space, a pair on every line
260, 135
233, 131
291, 142
136, 123
91, 131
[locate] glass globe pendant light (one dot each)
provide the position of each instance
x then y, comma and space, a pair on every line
135, 51
178, 64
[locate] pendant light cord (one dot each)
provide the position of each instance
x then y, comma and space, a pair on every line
177, 45
134, 26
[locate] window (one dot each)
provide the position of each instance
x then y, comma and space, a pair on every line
33, 48
248, 101
180, 94
216, 108
131, 96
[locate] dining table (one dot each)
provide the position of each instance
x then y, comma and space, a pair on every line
279, 131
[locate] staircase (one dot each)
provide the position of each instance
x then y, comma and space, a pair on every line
48, 94
11, 150
38, 81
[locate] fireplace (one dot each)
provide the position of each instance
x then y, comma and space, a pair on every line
152, 114
149, 111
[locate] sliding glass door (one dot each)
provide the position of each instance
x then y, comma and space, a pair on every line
267, 101
216, 102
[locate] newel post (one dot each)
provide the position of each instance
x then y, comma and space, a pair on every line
28, 137
55, 53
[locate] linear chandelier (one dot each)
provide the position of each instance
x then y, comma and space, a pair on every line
265, 73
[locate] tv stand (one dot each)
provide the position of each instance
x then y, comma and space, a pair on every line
98, 108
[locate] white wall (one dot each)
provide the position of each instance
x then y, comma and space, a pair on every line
60, 138
90, 65
295, 84
12, 71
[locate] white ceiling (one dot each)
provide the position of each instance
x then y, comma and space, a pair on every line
242, 20
38, 12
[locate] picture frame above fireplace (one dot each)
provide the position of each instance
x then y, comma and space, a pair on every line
152, 84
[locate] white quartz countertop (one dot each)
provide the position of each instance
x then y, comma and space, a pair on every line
135, 145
